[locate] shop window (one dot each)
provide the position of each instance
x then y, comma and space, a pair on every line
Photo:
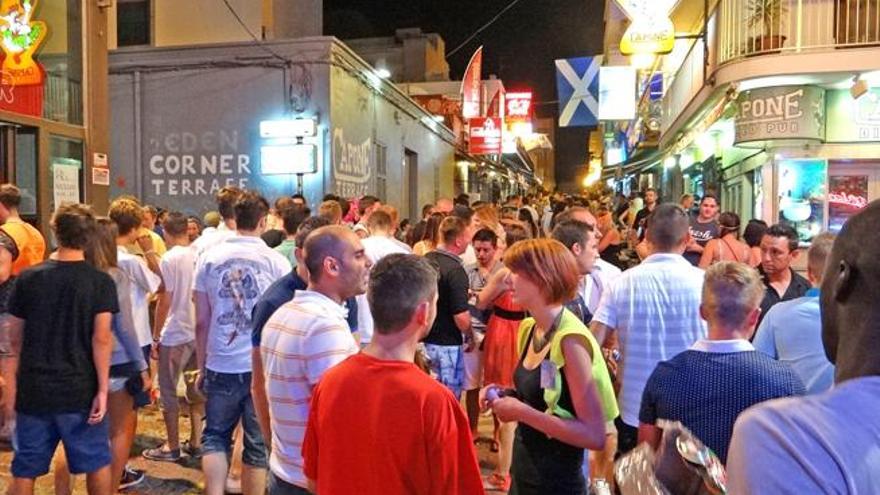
133, 22
801, 200
381, 170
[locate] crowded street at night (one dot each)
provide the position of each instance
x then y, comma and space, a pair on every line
337, 247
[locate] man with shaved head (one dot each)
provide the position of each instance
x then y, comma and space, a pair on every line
444, 206
826, 443
305, 338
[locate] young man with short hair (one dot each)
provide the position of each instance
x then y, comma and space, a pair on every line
636, 309
229, 280
707, 386
452, 328
379, 244
302, 340
485, 243
779, 249
226, 199
366, 206
792, 330
59, 326
703, 228
641, 220
29, 240
429, 452
174, 331
291, 218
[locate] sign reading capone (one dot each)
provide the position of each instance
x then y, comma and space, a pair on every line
782, 112
651, 31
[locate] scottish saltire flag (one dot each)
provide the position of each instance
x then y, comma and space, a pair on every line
577, 85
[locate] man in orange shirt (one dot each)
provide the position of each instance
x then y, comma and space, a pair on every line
31, 245
377, 423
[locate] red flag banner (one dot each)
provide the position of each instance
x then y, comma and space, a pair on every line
470, 86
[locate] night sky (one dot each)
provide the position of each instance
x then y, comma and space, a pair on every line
519, 47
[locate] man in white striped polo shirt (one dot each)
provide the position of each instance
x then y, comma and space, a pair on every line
305, 338
655, 310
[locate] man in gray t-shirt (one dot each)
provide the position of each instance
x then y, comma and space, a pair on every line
703, 229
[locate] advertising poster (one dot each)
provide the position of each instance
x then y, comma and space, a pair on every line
802, 196
847, 195
65, 183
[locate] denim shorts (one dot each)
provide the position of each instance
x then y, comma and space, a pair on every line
37, 435
447, 366
228, 402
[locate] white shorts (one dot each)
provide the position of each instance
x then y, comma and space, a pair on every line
473, 365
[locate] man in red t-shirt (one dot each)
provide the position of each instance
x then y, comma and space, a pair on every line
377, 423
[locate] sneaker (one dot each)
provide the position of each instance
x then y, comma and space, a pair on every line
162, 454
132, 477
497, 483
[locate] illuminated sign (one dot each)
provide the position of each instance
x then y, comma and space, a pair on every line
288, 159
651, 30
781, 112
289, 128
617, 93
19, 39
519, 106
485, 136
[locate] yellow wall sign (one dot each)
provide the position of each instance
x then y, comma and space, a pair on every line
20, 37
651, 31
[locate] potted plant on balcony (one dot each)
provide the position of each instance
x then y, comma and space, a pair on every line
766, 15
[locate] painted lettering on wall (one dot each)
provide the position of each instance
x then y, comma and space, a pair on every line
196, 164
351, 165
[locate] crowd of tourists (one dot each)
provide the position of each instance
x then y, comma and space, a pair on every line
338, 349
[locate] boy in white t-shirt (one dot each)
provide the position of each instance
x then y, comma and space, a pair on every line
174, 330
229, 280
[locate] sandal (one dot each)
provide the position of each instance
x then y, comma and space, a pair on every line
162, 454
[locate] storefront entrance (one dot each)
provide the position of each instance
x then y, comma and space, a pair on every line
851, 186
18, 164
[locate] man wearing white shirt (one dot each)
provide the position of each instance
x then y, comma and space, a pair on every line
176, 348
305, 338
229, 280
226, 199
602, 273
378, 245
127, 214
654, 310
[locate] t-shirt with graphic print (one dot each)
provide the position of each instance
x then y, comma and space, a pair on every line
702, 233
233, 275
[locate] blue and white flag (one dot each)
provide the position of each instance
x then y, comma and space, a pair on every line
577, 84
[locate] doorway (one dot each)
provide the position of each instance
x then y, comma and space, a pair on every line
411, 166
19, 150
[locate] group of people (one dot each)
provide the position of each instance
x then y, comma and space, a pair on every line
350, 352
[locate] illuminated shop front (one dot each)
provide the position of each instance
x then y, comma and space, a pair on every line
53, 104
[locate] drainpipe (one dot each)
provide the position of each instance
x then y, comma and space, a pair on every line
138, 137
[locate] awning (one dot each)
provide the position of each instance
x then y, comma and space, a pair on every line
635, 164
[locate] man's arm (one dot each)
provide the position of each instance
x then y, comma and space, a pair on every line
260, 397
163, 305
650, 434
145, 242
15, 328
102, 348
203, 325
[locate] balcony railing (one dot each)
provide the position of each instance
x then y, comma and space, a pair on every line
754, 27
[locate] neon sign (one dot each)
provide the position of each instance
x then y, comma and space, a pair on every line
19, 39
848, 200
651, 30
